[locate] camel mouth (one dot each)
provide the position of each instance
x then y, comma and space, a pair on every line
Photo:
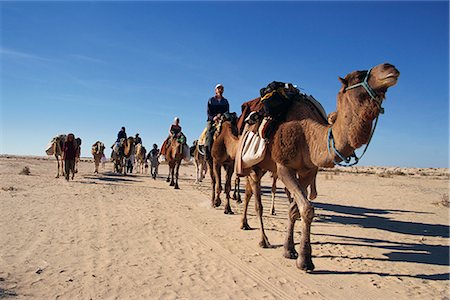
390, 79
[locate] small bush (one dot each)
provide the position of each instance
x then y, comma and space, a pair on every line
25, 171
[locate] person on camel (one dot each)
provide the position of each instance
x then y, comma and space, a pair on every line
217, 105
120, 135
174, 131
137, 139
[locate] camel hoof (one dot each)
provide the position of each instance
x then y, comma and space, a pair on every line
167, 180
312, 196
273, 213
217, 203
228, 211
264, 244
245, 226
177, 187
290, 254
304, 264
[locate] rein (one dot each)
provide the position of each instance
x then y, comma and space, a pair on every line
330, 138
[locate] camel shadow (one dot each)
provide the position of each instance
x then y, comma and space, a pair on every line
370, 218
112, 177
400, 251
440, 276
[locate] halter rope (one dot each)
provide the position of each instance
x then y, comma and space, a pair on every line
330, 137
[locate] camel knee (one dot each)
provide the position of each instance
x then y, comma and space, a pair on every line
307, 212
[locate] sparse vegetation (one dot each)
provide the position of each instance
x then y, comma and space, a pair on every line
444, 201
25, 171
9, 189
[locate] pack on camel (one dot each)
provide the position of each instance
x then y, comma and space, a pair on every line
223, 154
122, 151
200, 163
97, 150
55, 147
140, 158
175, 153
304, 141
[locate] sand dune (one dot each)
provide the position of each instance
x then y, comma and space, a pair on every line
376, 234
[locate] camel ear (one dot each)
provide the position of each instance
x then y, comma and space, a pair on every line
344, 84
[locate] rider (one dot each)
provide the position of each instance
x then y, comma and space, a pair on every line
217, 106
137, 139
174, 130
121, 135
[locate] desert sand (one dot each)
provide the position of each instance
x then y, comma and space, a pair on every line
378, 233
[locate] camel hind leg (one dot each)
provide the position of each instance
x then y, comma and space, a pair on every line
237, 192
255, 181
274, 191
229, 173
247, 197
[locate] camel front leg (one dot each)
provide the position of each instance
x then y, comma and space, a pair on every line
229, 174
177, 166
213, 183
306, 210
218, 176
289, 248
255, 181
247, 197
172, 173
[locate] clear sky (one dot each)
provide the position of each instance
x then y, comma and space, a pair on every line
92, 67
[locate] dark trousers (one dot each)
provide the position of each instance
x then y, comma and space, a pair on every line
69, 166
209, 137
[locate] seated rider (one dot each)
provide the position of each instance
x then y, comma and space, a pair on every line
174, 131
120, 135
137, 139
217, 106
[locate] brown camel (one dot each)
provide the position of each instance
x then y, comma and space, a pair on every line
174, 156
57, 150
301, 144
122, 151
223, 154
97, 151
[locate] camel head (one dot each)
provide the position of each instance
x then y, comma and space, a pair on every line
360, 99
371, 84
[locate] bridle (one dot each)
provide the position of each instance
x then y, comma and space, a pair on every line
330, 139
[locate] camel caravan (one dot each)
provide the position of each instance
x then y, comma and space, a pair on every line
282, 132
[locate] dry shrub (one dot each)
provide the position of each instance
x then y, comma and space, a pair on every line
10, 188
444, 201
25, 171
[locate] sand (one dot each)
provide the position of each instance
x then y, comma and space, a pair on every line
376, 235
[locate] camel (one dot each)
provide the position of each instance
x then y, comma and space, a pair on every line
56, 149
97, 151
223, 154
122, 151
201, 165
140, 158
303, 142
174, 155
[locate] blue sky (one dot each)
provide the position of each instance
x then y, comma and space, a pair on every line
92, 67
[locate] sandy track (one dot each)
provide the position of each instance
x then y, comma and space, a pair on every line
109, 236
